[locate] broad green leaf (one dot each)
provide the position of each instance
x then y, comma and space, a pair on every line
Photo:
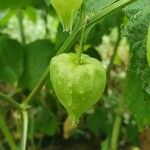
138, 5
3, 13
95, 34
93, 6
137, 100
11, 60
46, 123
40, 4
60, 37
4, 4
132, 132
137, 91
136, 31
5, 17
14, 3
148, 45
31, 13
98, 122
38, 55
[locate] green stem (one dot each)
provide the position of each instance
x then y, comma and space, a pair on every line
75, 35
45, 17
99, 16
109, 10
21, 27
10, 101
25, 129
7, 134
112, 60
116, 133
117, 126
84, 21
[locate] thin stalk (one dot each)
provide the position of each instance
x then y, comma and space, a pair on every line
74, 37
25, 130
84, 20
117, 126
116, 133
21, 26
7, 133
45, 17
111, 61
109, 10
99, 16
10, 101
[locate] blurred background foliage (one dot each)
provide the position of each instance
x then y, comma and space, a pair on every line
31, 34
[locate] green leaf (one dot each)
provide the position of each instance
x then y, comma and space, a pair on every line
136, 32
11, 60
95, 34
38, 55
98, 122
3, 13
132, 133
137, 90
138, 5
45, 123
14, 3
31, 13
137, 100
4, 4
93, 6
5, 16
148, 45
60, 37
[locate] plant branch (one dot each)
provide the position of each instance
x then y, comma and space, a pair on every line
117, 126
117, 5
10, 101
45, 18
112, 60
25, 129
75, 35
21, 27
116, 132
99, 16
7, 133
84, 21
